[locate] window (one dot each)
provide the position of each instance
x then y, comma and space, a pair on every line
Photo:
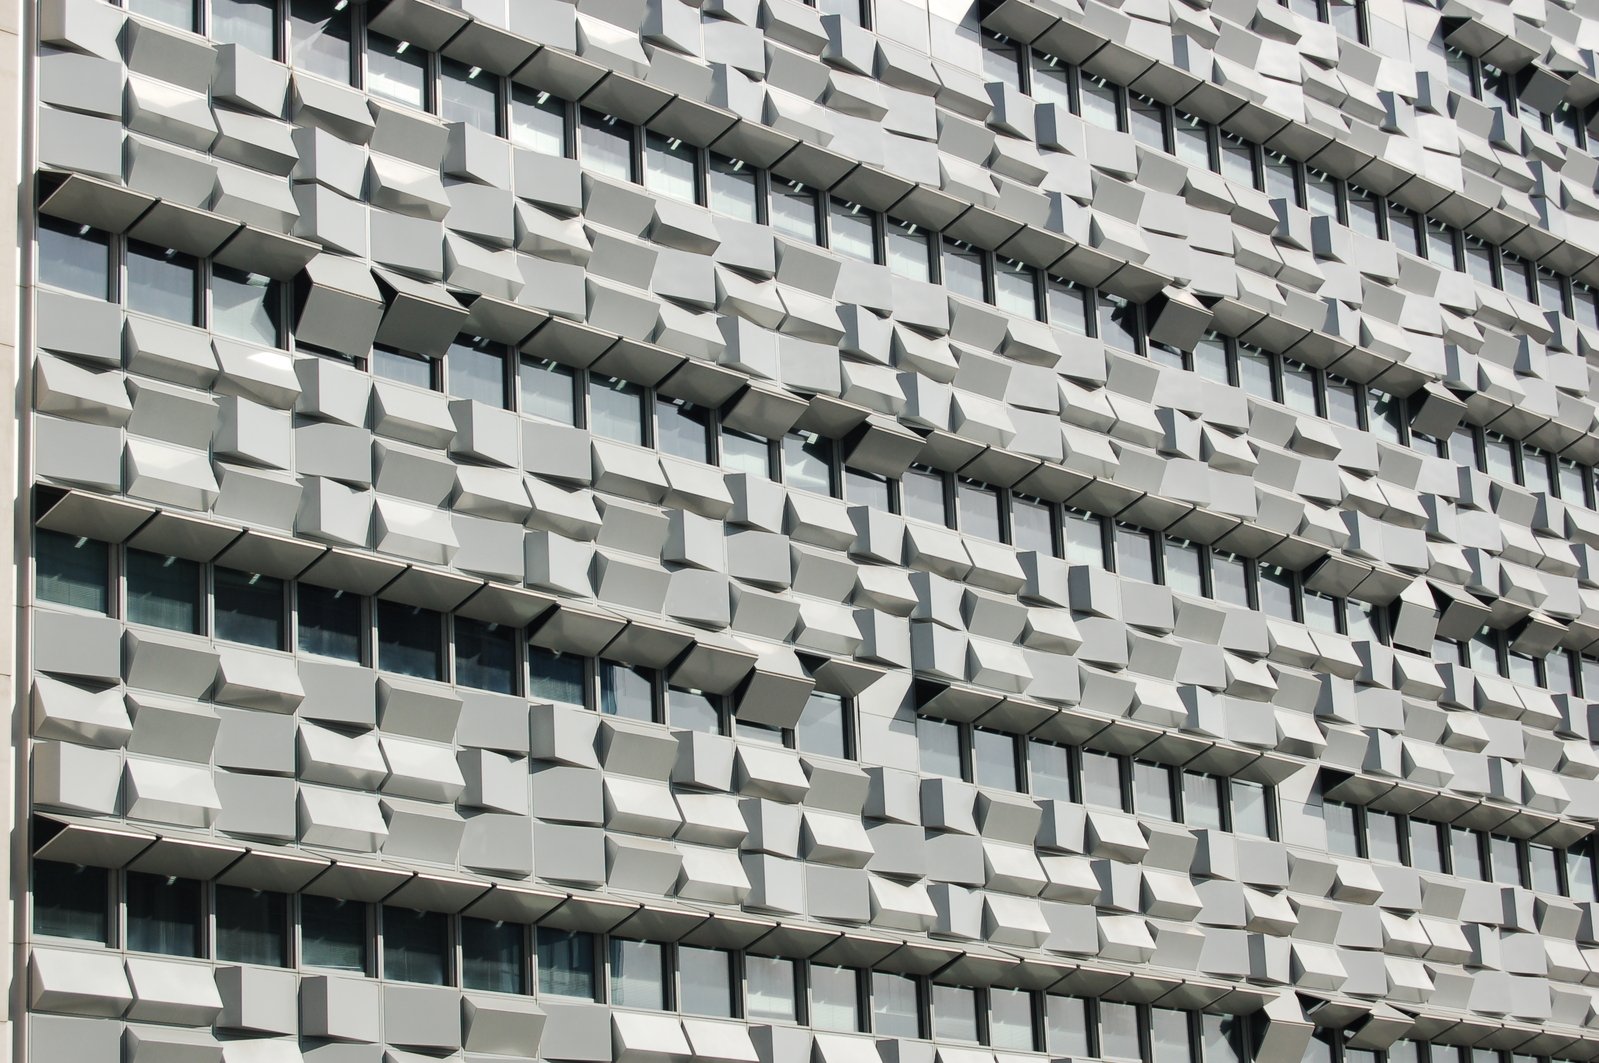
1185, 566
493, 955
333, 933
1135, 553
835, 998
1002, 59
955, 1013
1050, 773
396, 71
823, 726
980, 510
808, 462
909, 250
964, 270
940, 745
869, 490
694, 710
404, 367
410, 640
671, 167
1191, 139
1032, 525
1099, 101
467, 95
1084, 539
607, 145
248, 608
1282, 178
1117, 320
1440, 242
638, 974
1384, 840
320, 36
683, 429
746, 453
1504, 858
794, 209
1236, 159
1323, 194
1010, 1019
1016, 288
1428, 844
896, 1005
252, 926
74, 257
616, 410
245, 306
1229, 579
1466, 853
705, 982
1118, 1031
627, 691
1222, 1037
163, 591
851, 230
415, 946
556, 677
1364, 211
994, 760
251, 24
330, 622
475, 369
70, 570
179, 13
921, 496
1543, 868
549, 391
1067, 306
1102, 780
485, 655
1147, 121
1251, 808
1067, 1021
163, 914
1276, 591
538, 121
1204, 799
1343, 828
566, 963
161, 283
1168, 1036
734, 188
1152, 790
70, 901
1579, 873
772, 989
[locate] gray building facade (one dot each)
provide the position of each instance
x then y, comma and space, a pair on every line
890, 531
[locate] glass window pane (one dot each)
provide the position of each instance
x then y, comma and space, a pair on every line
1427, 843
1202, 800
1002, 60
683, 429
333, 933
330, 622
1051, 81
1152, 790
163, 591
1146, 120
493, 955
1382, 836
734, 188
1118, 322
607, 145
963, 270
74, 257
1282, 177
410, 640
1440, 241
909, 250
1579, 874
1068, 306
1049, 770
319, 37
1015, 288
1255, 374
1135, 554
1276, 591
476, 371
468, 94
1099, 101
538, 121
822, 728
1321, 194
746, 454
179, 13
1010, 1019
954, 1013
1168, 1036
549, 390
616, 410
1543, 866
403, 367
69, 570
1102, 779
627, 691
70, 901
161, 283
1192, 139
1251, 808
994, 760
252, 926
1365, 212
1184, 565
485, 655
396, 71
867, 489
566, 963
1505, 857
1343, 403
1066, 1024
555, 676
248, 608
415, 946
705, 978
793, 209
772, 989
1465, 853
850, 230
808, 462
1221, 1037
921, 496
1032, 526
244, 306
896, 1010
1118, 1031
1343, 830
1237, 159
694, 710
979, 509
940, 744
1084, 539
671, 167
638, 975
163, 914
835, 998
1229, 579
1299, 388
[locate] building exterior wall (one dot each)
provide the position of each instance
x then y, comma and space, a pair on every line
767, 533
